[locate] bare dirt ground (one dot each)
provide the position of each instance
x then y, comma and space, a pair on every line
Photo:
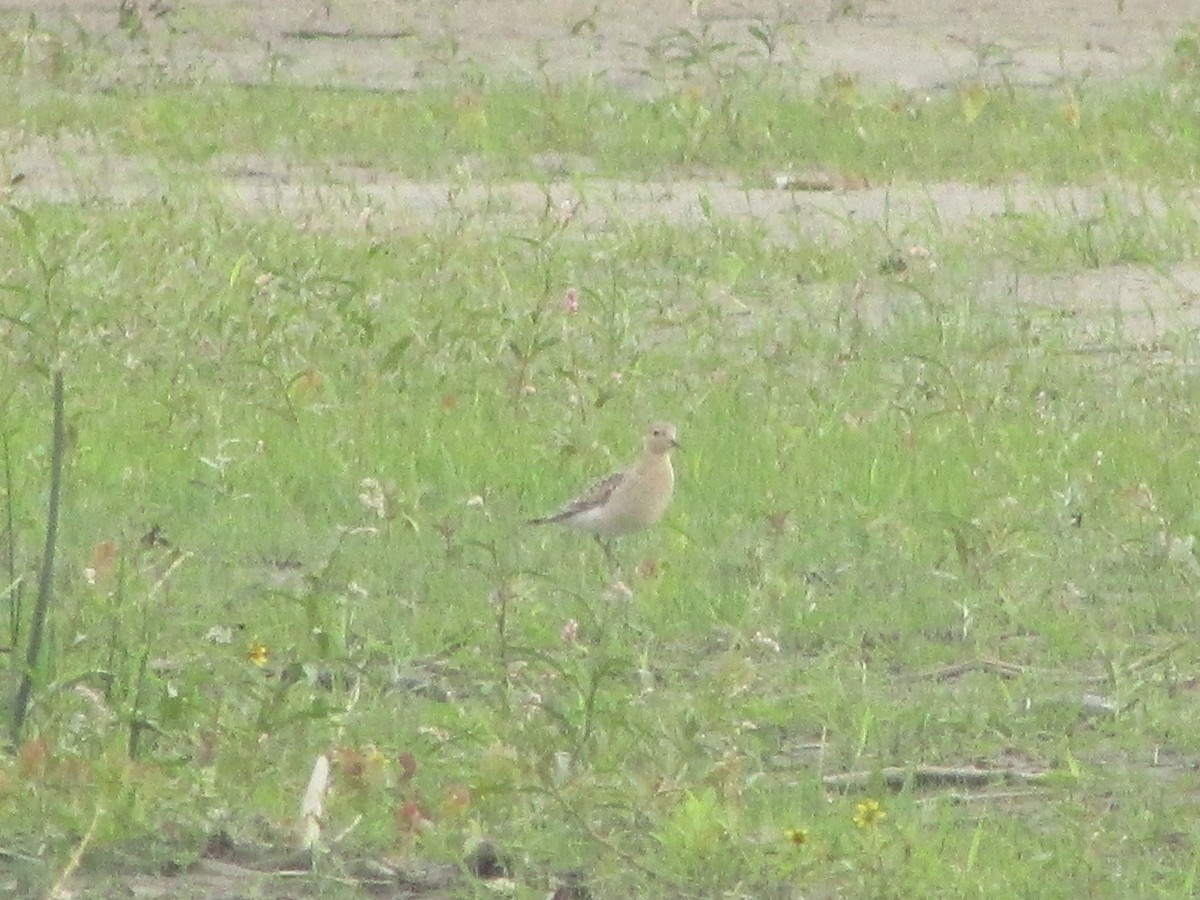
920, 45
912, 43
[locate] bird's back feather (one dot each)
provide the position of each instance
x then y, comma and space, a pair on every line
595, 496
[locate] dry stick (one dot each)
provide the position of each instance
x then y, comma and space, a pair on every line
136, 723
46, 576
312, 805
979, 664
60, 890
897, 777
987, 797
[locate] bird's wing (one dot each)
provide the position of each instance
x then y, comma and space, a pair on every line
597, 495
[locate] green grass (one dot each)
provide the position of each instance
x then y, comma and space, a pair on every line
1136, 132
711, 111
861, 503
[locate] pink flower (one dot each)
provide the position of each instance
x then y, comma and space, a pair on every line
571, 302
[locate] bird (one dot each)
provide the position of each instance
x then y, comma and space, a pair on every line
629, 500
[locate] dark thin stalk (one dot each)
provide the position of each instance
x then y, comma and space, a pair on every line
135, 717
10, 552
46, 576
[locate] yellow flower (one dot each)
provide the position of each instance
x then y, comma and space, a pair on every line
258, 654
797, 837
869, 813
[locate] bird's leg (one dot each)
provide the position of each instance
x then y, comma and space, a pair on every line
606, 546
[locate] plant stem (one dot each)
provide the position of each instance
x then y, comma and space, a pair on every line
10, 552
46, 577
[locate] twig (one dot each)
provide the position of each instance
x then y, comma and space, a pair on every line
312, 806
178, 561
339, 34
979, 664
985, 796
59, 891
897, 777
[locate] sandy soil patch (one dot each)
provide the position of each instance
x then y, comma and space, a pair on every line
916, 44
